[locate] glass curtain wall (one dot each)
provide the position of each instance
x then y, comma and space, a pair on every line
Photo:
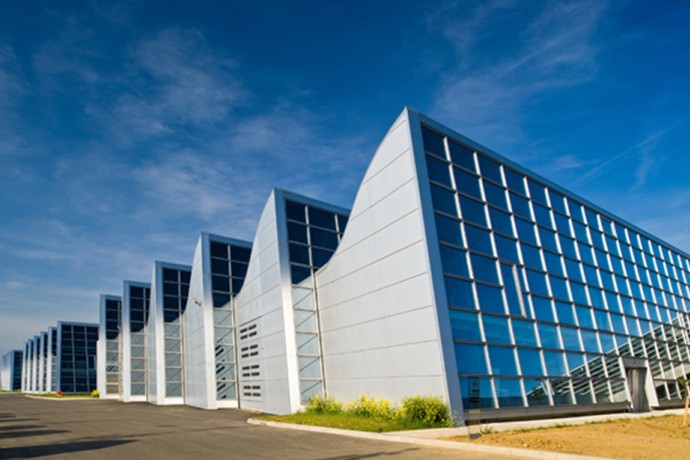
547, 294
139, 297
228, 269
113, 338
77, 354
175, 292
313, 236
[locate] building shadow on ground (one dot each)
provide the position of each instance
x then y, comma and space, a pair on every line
60, 448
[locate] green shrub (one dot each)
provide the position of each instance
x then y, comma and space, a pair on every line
95, 394
321, 405
367, 406
429, 410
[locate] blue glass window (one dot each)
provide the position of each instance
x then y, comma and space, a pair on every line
537, 192
586, 253
459, 292
323, 238
530, 362
584, 316
553, 263
589, 339
549, 336
490, 169
484, 268
444, 200
568, 247
465, 325
321, 218
462, 155
559, 287
467, 183
524, 332
525, 231
531, 256
478, 239
537, 282
548, 239
496, 329
543, 310
557, 202
555, 364
484, 396
520, 206
495, 195
448, 230
500, 221
603, 321
473, 211
502, 361
581, 232
470, 358
512, 294
597, 297
490, 298
571, 338
509, 392
506, 248
573, 269
562, 224
433, 142
299, 254
438, 171
542, 215
515, 181
565, 312
454, 261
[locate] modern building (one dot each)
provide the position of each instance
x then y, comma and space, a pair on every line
43, 362
110, 347
164, 334
11, 371
210, 357
277, 317
135, 316
76, 366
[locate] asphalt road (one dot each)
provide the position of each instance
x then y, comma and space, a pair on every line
95, 429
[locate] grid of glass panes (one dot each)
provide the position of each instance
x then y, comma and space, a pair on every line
113, 322
313, 236
175, 291
545, 293
17, 376
44, 361
53, 359
139, 297
78, 358
228, 269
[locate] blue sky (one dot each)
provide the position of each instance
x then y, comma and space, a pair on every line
126, 128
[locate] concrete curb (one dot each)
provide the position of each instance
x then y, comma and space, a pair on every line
455, 445
43, 398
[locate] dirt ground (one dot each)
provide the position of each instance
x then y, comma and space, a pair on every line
647, 438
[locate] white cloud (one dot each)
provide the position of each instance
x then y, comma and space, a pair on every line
177, 81
487, 94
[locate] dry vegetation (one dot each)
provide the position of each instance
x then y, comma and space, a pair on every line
649, 438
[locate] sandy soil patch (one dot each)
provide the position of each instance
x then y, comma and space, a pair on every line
647, 438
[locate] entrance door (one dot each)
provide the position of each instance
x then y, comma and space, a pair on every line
636, 378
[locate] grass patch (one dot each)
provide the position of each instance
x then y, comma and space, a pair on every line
347, 421
372, 414
70, 396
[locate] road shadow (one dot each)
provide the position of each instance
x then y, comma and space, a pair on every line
20, 427
25, 434
372, 455
57, 449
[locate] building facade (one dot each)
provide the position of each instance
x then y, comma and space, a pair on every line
11, 370
210, 357
109, 375
76, 367
135, 315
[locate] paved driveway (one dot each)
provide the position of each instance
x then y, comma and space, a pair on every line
94, 429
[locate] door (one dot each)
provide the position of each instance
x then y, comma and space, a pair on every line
636, 379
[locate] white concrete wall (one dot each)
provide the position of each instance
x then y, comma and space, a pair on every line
155, 357
265, 303
126, 333
100, 350
379, 326
197, 323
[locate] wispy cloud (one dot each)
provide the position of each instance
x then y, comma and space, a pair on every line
184, 84
548, 47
